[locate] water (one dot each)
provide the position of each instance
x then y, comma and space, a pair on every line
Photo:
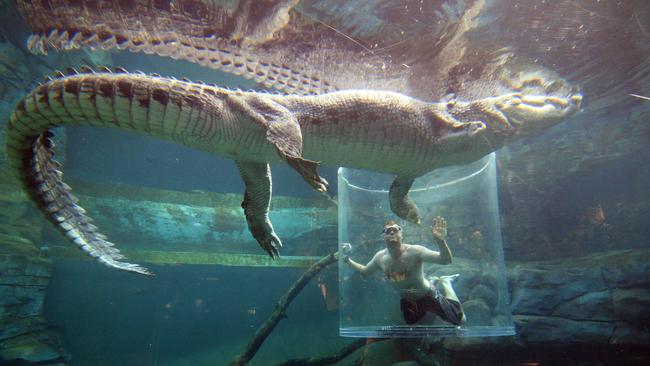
568, 226
185, 315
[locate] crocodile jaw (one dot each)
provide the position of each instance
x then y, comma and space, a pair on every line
530, 114
515, 115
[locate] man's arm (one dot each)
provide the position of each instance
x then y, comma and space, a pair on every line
439, 231
366, 270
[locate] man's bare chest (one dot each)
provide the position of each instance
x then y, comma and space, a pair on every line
399, 269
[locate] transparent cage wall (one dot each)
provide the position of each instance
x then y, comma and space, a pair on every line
467, 198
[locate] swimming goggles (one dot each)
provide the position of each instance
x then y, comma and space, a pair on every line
391, 229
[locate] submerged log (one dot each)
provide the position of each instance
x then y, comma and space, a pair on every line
329, 360
280, 311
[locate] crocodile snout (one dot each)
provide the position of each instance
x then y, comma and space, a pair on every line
535, 112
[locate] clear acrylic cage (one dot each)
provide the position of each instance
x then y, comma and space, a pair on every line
467, 197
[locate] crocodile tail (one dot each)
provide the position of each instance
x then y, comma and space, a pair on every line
213, 52
42, 179
33, 158
124, 101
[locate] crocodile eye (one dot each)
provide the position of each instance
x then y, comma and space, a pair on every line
451, 105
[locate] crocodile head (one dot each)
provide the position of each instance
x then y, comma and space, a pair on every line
484, 125
525, 101
514, 115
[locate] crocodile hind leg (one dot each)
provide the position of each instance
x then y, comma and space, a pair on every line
256, 204
400, 203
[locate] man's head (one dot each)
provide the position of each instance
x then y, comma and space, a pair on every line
391, 233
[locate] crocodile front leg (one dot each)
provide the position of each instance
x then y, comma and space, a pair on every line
282, 131
400, 203
256, 204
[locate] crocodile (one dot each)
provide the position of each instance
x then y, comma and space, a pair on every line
291, 47
366, 129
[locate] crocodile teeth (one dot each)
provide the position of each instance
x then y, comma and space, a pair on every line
36, 44
52, 36
75, 38
62, 39
32, 41
41, 47
69, 42
576, 99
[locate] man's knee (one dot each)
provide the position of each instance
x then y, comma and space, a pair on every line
410, 311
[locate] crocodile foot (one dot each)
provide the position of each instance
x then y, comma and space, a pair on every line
263, 232
308, 171
400, 203
406, 210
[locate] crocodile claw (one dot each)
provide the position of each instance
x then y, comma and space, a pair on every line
272, 245
308, 170
320, 184
263, 232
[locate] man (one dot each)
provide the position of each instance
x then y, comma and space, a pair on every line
401, 263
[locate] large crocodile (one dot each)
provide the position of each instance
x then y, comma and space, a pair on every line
423, 50
373, 130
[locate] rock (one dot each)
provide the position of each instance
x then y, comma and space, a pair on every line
501, 320
30, 230
24, 276
460, 343
484, 293
538, 289
627, 334
384, 353
11, 244
632, 305
13, 211
627, 269
489, 279
20, 301
11, 327
477, 312
38, 347
546, 329
590, 306
23, 270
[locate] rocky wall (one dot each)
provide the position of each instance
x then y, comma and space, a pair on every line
602, 298
25, 337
